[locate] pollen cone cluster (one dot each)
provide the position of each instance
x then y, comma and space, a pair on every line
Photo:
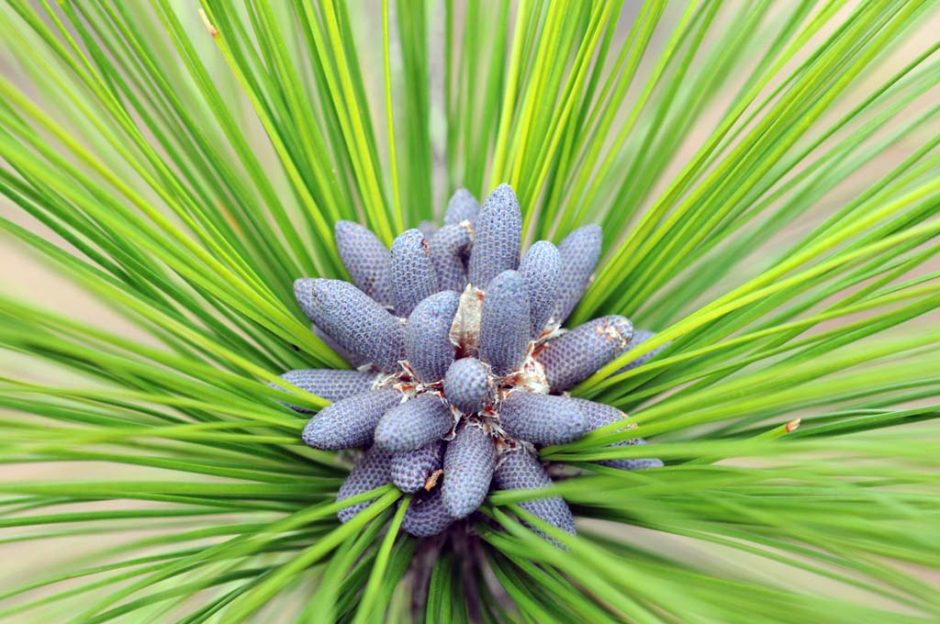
463, 367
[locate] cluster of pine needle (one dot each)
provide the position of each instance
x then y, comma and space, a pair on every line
764, 180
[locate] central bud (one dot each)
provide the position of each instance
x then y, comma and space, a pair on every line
463, 366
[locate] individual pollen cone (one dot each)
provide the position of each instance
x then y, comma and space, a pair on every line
410, 470
462, 206
504, 324
355, 321
541, 271
369, 473
414, 424
329, 384
447, 247
364, 256
541, 418
468, 469
496, 240
426, 515
519, 470
413, 277
349, 423
428, 348
466, 385
576, 355
600, 415
641, 335
580, 252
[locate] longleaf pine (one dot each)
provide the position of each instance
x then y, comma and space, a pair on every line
469, 311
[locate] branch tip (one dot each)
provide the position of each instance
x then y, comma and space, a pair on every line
209, 26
